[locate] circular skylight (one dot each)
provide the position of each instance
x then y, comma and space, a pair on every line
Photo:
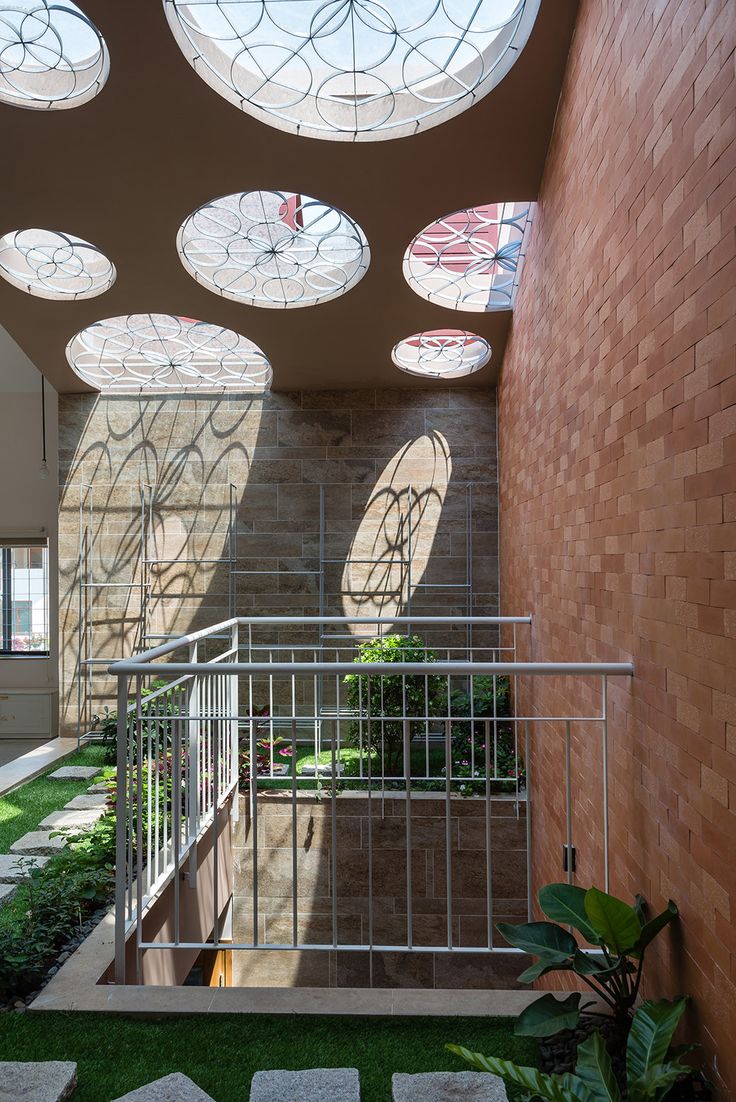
51, 55
161, 352
442, 354
54, 265
273, 249
347, 69
470, 260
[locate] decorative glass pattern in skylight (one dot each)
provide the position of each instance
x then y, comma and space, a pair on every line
442, 354
51, 55
161, 352
470, 260
352, 69
273, 249
54, 265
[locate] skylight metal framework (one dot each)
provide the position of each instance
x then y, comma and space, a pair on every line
162, 352
275, 249
442, 354
54, 265
352, 70
470, 260
52, 56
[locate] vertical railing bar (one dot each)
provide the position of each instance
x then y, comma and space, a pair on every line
121, 829
139, 827
333, 860
370, 843
529, 871
568, 803
179, 785
253, 791
216, 814
604, 725
406, 730
489, 858
294, 825
149, 797
448, 824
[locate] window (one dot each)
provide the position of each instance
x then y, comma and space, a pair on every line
24, 598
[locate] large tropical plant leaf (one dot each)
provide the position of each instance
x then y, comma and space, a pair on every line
616, 923
541, 939
656, 1083
652, 928
593, 964
650, 1036
565, 903
548, 1015
541, 967
551, 1088
594, 1069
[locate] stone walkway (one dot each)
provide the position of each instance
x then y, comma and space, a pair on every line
38, 845
53, 1081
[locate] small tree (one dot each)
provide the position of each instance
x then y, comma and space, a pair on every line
394, 696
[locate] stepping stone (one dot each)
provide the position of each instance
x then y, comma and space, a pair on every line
7, 891
75, 773
72, 820
317, 1085
86, 803
448, 1086
49, 1081
9, 871
312, 770
38, 842
172, 1088
101, 787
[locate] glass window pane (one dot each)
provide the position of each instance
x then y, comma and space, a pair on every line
24, 600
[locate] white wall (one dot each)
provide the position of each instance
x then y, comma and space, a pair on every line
28, 503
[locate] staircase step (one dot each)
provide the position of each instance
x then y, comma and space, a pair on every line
7, 891
72, 820
87, 802
448, 1086
75, 773
48, 1081
172, 1088
316, 1085
9, 871
38, 843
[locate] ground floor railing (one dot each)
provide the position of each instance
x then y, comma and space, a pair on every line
219, 728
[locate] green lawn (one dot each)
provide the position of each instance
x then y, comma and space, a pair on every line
221, 1052
24, 808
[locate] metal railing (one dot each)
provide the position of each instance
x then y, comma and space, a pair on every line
300, 715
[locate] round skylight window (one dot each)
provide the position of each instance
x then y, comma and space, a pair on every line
273, 249
442, 354
161, 352
51, 54
54, 265
470, 260
347, 69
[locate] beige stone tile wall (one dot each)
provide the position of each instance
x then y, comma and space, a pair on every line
314, 887
365, 447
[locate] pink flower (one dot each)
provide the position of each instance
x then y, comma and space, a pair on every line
286, 752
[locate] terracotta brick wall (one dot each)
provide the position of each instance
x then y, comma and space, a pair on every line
618, 470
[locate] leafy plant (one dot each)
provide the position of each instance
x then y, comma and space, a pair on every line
106, 723
652, 1065
471, 737
394, 696
620, 934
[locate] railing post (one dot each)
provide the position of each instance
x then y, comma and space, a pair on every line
121, 821
192, 737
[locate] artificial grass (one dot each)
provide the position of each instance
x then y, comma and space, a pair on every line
221, 1052
23, 809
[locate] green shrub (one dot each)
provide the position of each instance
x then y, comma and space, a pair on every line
392, 696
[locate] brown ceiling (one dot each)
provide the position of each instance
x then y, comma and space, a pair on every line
125, 169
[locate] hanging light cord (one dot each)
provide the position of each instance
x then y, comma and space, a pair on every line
43, 416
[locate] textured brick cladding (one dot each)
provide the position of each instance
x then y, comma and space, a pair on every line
617, 423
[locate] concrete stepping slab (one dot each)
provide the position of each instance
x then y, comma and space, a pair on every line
10, 873
172, 1088
7, 891
75, 773
48, 1081
101, 786
316, 1085
38, 843
72, 820
448, 1086
86, 803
